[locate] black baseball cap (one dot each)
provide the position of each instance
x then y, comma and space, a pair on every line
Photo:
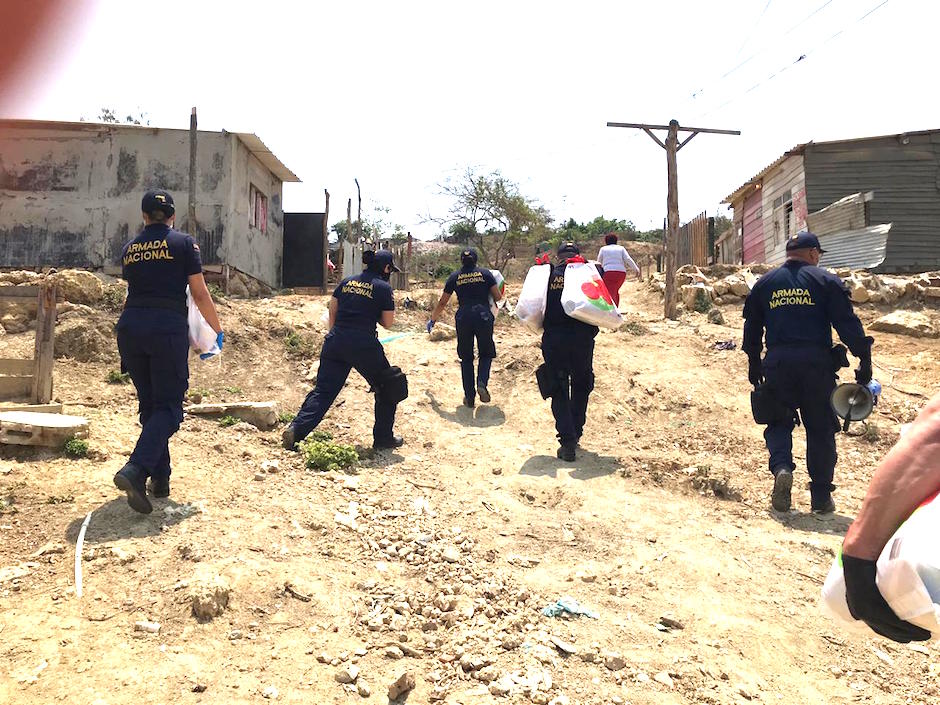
568, 249
804, 241
382, 258
469, 255
158, 200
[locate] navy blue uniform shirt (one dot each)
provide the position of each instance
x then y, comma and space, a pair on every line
362, 299
157, 264
472, 285
799, 304
555, 316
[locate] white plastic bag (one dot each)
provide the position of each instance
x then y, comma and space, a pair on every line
201, 336
501, 285
908, 573
585, 297
530, 309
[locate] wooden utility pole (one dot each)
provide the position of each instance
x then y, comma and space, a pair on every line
191, 226
324, 288
358, 210
349, 232
672, 145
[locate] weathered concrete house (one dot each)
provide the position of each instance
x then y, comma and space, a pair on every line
70, 194
874, 201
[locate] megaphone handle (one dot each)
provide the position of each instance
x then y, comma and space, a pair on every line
845, 424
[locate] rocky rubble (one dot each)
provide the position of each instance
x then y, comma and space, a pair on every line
723, 284
77, 291
472, 628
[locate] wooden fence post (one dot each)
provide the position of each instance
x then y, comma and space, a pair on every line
45, 344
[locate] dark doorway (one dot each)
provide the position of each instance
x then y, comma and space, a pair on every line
304, 235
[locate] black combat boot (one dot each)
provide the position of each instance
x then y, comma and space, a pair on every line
394, 441
780, 497
160, 487
132, 479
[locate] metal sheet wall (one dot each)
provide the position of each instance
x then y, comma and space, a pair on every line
753, 224
905, 179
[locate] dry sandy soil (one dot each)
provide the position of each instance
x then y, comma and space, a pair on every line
662, 527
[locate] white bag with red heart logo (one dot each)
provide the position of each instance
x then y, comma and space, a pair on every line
585, 297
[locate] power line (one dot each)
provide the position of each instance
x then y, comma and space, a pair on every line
753, 29
724, 76
798, 60
797, 25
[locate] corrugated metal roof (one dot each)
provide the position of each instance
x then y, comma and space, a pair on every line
756, 179
266, 156
858, 249
798, 149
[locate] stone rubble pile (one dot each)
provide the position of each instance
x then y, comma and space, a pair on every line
473, 628
723, 284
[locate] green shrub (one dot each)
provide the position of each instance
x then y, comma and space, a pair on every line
870, 433
233, 390
228, 420
215, 291
60, 499
703, 301
117, 377
76, 447
634, 328
299, 344
200, 392
327, 456
442, 271
286, 417
319, 435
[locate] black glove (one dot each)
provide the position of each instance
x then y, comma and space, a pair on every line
755, 373
867, 604
863, 373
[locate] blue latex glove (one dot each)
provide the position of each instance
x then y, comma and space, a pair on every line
430, 326
219, 341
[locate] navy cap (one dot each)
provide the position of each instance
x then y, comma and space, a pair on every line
804, 241
568, 248
158, 200
382, 258
469, 255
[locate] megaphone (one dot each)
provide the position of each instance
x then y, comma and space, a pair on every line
855, 402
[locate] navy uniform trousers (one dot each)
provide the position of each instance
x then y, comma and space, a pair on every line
803, 378
475, 323
158, 364
569, 354
344, 350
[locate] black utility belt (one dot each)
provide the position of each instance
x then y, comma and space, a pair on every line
156, 302
823, 347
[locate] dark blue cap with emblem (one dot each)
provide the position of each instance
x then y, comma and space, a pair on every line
382, 258
158, 200
804, 241
468, 257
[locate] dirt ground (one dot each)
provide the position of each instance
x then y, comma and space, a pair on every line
437, 559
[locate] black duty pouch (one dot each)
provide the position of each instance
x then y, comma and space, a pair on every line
546, 379
840, 357
767, 408
393, 385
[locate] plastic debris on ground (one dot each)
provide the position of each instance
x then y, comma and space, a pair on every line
568, 605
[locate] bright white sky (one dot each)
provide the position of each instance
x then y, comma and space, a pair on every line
404, 94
